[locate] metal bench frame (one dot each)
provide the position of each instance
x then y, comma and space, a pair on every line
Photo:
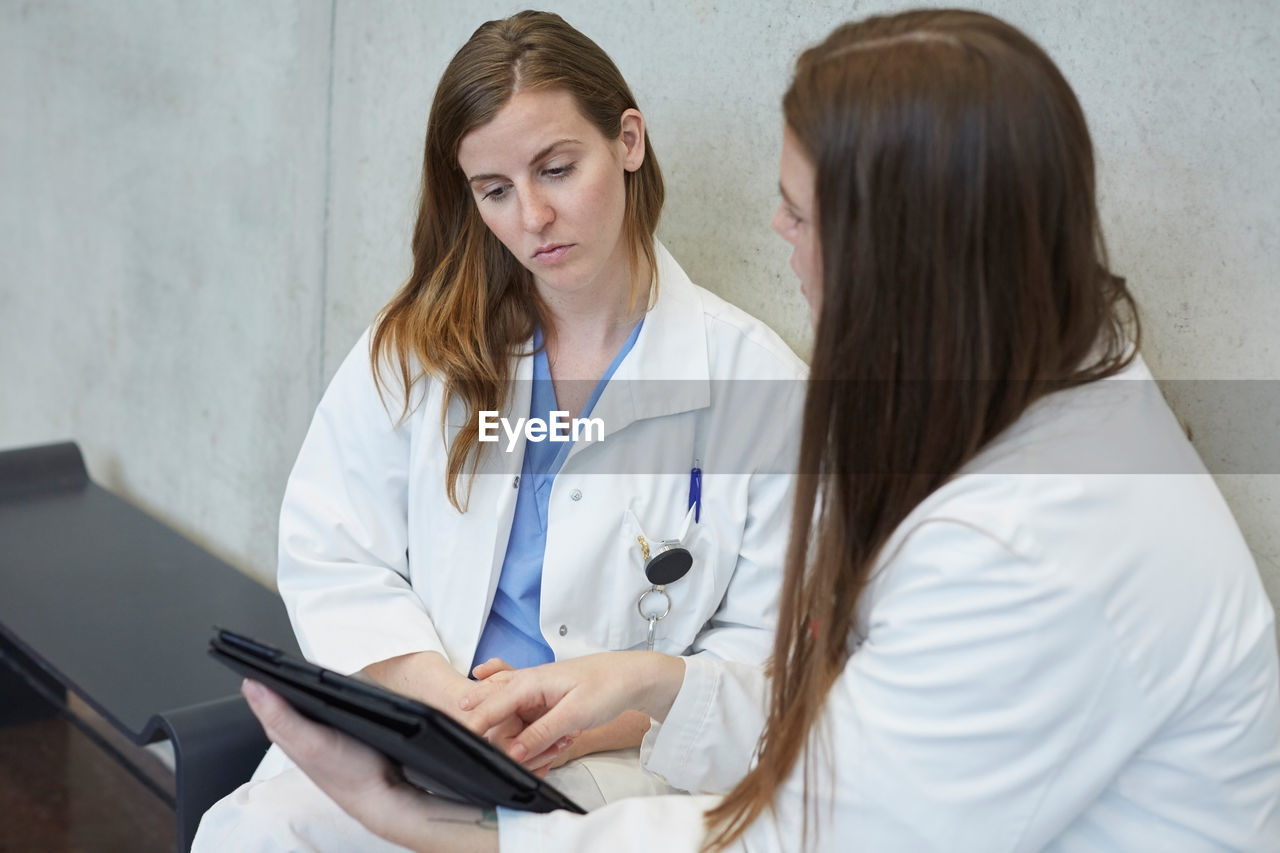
99, 599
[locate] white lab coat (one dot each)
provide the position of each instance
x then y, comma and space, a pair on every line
1068, 647
375, 562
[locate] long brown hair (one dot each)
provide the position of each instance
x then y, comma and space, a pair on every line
964, 276
468, 305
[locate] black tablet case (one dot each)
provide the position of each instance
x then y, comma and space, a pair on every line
437, 753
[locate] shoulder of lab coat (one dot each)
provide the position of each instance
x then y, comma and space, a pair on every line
691, 334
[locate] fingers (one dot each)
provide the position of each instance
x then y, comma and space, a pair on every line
542, 697
361, 781
282, 724
491, 667
488, 704
543, 733
324, 754
504, 737
504, 733
560, 752
516, 717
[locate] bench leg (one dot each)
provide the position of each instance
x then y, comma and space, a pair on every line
216, 747
27, 693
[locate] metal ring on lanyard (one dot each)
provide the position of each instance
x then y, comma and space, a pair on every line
640, 604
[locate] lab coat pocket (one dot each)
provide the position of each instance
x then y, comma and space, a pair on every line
692, 598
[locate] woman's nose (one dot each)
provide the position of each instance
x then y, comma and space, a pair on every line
536, 211
778, 222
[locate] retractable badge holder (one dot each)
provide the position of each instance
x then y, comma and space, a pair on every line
668, 565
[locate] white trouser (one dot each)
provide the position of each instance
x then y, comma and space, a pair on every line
281, 810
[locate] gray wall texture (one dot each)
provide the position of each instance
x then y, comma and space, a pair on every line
203, 204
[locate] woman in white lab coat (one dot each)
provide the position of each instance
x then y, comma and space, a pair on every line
1024, 618
416, 553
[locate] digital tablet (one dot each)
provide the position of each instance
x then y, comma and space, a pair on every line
436, 752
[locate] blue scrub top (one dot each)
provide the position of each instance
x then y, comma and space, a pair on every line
512, 631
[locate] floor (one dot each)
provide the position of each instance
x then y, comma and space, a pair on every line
60, 791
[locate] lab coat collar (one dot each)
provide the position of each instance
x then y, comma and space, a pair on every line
673, 341
667, 370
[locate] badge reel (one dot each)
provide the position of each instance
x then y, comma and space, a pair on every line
668, 565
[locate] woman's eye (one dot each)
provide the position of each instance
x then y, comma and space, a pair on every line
495, 194
558, 171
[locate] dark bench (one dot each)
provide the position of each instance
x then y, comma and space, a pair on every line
99, 599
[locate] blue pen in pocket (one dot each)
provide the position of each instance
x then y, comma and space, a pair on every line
695, 490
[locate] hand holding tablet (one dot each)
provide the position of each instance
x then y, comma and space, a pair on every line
436, 752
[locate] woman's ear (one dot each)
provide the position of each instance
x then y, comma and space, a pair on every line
632, 140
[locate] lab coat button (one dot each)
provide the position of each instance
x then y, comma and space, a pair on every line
515, 484
575, 495
564, 629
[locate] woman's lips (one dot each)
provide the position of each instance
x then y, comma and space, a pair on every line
552, 254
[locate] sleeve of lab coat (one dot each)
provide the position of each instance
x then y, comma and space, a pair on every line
709, 739
987, 707
343, 561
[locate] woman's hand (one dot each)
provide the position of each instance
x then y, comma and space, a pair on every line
559, 701
367, 786
425, 676
503, 734
622, 732
430, 678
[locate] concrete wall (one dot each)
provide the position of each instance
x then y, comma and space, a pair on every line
161, 233
204, 204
